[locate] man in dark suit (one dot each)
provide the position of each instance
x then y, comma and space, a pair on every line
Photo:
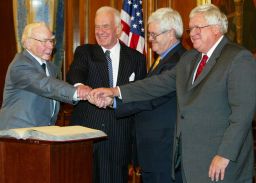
90, 67
31, 94
215, 107
155, 119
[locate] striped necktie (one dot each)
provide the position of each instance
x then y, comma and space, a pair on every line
110, 71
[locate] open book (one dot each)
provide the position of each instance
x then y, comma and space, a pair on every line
53, 133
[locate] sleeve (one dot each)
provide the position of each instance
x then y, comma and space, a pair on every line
241, 85
79, 68
26, 76
150, 88
136, 107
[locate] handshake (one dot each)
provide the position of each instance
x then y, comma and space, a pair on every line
101, 97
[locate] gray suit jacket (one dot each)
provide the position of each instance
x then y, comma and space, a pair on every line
215, 113
28, 94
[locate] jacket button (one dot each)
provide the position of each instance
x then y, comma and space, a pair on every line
182, 117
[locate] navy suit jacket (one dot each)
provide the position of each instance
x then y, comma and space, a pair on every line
155, 121
90, 68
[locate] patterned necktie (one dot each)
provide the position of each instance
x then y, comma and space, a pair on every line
44, 67
110, 71
156, 62
201, 65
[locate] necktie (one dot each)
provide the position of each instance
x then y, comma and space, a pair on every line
156, 62
44, 67
53, 102
110, 71
201, 65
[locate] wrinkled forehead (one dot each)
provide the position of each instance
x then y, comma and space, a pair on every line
42, 32
197, 19
104, 18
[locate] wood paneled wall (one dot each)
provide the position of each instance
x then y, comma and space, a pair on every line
8, 42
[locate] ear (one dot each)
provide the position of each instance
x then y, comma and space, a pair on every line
216, 29
27, 44
119, 30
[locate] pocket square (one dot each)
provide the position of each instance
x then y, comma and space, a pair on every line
132, 77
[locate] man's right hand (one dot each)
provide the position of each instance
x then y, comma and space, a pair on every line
83, 91
103, 97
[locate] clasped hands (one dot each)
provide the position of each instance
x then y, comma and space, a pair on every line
101, 97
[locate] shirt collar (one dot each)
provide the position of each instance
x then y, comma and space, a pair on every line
168, 50
113, 49
209, 53
40, 61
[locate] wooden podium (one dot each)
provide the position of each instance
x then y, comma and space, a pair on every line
36, 161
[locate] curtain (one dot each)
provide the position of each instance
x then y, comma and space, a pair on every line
49, 11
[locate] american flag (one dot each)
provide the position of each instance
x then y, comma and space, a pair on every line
133, 26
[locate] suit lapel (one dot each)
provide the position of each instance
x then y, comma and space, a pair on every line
99, 58
191, 67
210, 64
51, 70
33, 61
124, 64
163, 61
154, 71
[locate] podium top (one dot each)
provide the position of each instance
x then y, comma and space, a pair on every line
53, 133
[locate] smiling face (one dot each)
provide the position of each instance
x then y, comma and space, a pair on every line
37, 44
106, 32
205, 37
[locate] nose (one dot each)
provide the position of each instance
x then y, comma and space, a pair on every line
49, 45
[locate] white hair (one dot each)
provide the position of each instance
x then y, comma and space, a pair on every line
168, 19
28, 30
115, 12
213, 16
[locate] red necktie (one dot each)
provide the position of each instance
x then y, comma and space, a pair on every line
201, 65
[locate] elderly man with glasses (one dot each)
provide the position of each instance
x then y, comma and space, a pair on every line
31, 91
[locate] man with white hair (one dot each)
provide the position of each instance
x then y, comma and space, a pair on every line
31, 91
216, 92
106, 64
155, 120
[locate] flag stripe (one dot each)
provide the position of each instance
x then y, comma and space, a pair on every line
133, 26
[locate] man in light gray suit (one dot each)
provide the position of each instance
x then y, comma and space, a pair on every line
215, 107
31, 93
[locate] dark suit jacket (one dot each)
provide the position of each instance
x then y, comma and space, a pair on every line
28, 93
215, 113
155, 121
90, 68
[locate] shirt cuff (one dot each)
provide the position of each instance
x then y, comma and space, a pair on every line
120, 94
75, 98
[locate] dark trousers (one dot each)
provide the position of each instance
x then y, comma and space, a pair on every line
160, 177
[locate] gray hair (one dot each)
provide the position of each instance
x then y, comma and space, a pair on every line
28, 31
115, 12
168, 19
213, 16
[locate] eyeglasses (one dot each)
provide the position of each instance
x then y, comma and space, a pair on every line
45, 41
104, 27
197, 28
154, 35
